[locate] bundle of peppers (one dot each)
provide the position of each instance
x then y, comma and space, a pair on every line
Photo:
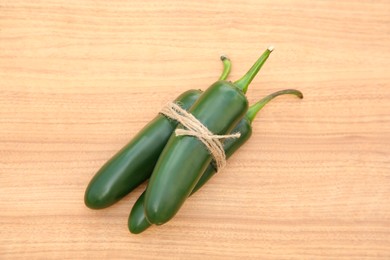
178, 166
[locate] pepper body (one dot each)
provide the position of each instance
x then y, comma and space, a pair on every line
134, 163
137, 221
185, 158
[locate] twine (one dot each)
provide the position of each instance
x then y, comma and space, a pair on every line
200, 131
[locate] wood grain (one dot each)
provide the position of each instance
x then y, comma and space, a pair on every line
78, 80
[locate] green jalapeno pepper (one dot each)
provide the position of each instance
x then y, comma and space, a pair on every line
137, 221
184, 158
134, 163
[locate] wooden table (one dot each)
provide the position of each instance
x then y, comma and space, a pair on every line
77, 81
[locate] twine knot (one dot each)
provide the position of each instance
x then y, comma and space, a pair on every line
195, 128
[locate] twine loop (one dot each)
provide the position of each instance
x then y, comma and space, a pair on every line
195, 128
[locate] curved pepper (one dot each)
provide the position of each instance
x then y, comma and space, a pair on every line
134, 163
184, 158
137, 221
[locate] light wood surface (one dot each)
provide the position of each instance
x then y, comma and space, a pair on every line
78, 80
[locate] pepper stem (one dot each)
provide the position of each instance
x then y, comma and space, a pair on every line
227, 66
254, 109
243, 83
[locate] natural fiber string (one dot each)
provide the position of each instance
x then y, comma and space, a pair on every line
198, 130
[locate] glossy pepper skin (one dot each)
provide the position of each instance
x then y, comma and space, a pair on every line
185, 158
137, 221
134, 163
